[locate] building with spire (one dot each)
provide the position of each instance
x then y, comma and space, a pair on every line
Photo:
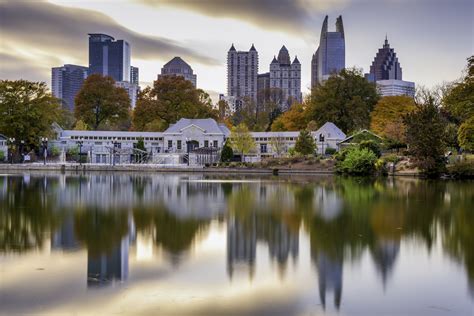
242, 75
178, 67
286, 76
330, 57
386, 72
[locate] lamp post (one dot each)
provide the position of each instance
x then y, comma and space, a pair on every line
44, 142
22, 145
11, 144
115, 144
187, 149
321, 139
79, 143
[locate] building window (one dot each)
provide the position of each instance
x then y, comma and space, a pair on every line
263, 148
170, 143
179, 145
215, 144
206, 143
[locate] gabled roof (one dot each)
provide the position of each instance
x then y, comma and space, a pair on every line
208, 126
332, 129
346, 140
2, 136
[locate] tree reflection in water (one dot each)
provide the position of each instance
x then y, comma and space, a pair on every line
343, 218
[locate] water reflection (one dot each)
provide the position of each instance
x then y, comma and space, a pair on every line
264, 218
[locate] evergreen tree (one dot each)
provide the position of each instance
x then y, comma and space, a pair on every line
305, 143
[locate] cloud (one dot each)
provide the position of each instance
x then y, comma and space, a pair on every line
13, 65
42, 29
293, 16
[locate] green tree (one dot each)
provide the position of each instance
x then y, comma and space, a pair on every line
170, 99
292, 120
357, 161
227, 153
346, 99
387, 117
451, 135
27, 111
459, 99
140, 144
466, 134
305, 143
100, 102
81, 126
425, 136
241, 140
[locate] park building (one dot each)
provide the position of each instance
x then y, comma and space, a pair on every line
188, 141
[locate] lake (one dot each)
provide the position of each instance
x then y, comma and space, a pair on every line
192, 244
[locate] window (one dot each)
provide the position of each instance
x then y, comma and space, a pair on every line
170, 143
178, 144
206, 143
215, 144
263, 148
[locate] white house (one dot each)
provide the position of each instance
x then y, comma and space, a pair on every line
3, 146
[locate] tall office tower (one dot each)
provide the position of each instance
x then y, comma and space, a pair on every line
386, 72
263, 88
134, 75
242, 74
132, 90
109, 57
286, 76
66, 81
385, 65
178, 67
330, 57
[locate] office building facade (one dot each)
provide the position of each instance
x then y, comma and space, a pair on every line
385, 65
242, 74
109, 57
66, 81
132, 90
330, 57
178, 67
395, 87
134, 75
286, 77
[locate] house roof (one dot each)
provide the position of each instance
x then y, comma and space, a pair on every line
2, 136
346, 140
209, 126
329, 128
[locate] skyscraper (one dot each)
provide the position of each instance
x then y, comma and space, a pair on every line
134, 75
178, 67
286, 76
109, 57
66, 81
386, 72
242, 73
385, 65
330, 57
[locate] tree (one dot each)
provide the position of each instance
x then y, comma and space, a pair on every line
292, 120
227, 153
424, 134
241, 140
305, 143
346, 99
466, 134
27, 111
81, 126
170, 99
278, 144
459, 99
100, 102
140, 145
357, 161
387, 117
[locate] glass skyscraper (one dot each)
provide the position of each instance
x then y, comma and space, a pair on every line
66, 81
109, 57
330, 57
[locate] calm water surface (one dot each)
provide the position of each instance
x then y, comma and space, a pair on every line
153, 244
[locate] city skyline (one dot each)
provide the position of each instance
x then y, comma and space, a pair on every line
438, 33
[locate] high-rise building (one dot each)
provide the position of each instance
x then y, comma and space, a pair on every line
330, 57
286, 76
263, 88
134, 75
242, 74
66, 81
132, 90
109, 57
386, 72
178, 67
385, 65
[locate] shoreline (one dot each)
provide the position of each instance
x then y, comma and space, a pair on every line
172, 169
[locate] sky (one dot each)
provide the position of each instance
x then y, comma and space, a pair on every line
432, 38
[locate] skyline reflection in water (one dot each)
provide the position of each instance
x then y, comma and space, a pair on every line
182, 244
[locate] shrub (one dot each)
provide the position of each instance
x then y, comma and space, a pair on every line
330, 151
372, 146
391, 158
73, 151
292, 151
2, 156
357, 161
227, 153
55, 151
461, 169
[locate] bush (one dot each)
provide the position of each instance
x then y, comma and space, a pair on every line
55, 151
227, 153
461, 169
73, 151
357, 161
330, 151
372, 146
2, 156
391, 158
